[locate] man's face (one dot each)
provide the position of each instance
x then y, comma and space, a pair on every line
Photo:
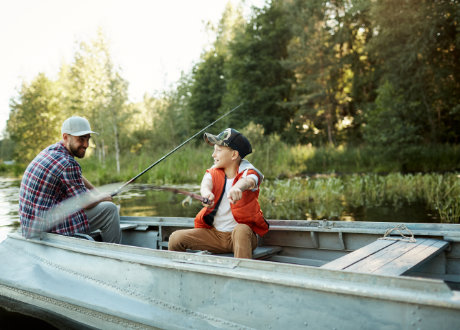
77, 144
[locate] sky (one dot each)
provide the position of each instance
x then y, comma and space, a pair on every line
151, 41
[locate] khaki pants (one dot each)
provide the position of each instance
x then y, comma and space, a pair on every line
241, 241
104, 216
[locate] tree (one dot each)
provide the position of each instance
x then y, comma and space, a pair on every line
254, 74
388, 129
97, 91
117, 112
35, 119
417, 46
208, 80
207, 89
6, 149
331, 71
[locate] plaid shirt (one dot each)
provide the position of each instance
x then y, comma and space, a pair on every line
53, 176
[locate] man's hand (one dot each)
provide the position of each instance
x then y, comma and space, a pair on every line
98, 198
106, 198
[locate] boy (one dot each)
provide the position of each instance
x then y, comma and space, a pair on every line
233, 218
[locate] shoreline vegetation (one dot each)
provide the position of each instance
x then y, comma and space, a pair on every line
328, 180
372, 121
276, 160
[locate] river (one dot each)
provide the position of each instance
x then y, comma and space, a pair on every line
141, 200
138, 200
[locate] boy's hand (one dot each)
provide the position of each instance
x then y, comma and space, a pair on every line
234, 195
236, 192
210, 198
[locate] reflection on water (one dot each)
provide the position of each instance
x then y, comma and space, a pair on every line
9, 197
138, 200
142, 200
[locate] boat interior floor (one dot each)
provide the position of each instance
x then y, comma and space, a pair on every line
420, 257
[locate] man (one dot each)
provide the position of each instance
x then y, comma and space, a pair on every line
233, 219
54, 176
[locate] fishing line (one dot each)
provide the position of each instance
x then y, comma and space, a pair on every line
116, 192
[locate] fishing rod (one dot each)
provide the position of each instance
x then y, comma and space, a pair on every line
200, 198
116, 192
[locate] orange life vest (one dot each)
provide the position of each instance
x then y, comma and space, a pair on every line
246, 210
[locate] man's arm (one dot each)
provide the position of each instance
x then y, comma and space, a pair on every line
100, 198
87, 183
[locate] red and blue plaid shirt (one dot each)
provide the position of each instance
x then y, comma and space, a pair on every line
53, 176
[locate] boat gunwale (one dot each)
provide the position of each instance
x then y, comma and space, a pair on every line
450, 232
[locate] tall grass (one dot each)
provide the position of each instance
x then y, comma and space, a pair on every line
329, 196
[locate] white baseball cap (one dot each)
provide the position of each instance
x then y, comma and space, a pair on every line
76, 126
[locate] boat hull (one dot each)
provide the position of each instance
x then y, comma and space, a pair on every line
123, 287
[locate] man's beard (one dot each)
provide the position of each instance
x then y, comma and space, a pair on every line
80, 153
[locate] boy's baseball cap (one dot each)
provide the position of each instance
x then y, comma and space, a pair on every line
76, 126
230, 138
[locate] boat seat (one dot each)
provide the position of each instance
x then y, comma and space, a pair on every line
260, 252
96, 235
389, 256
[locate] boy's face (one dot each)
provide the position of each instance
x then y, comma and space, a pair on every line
224, 156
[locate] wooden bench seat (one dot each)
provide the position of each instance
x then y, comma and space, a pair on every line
389, 257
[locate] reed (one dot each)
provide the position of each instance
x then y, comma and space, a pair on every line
330, 196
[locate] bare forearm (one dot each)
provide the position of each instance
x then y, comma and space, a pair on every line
87, 183
245, 184
206, 191
206, 187
97, 197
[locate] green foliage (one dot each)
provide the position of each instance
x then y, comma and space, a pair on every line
207, 89
389, 124
416, 50
274, 158
35, 119
97, 91
89, 87
208, 83
328, 86
256, 77
330, 197
6, 149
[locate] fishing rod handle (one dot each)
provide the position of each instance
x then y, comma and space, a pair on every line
205, 200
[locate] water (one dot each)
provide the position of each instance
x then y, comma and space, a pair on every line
141, 200
9, 197
138, 200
